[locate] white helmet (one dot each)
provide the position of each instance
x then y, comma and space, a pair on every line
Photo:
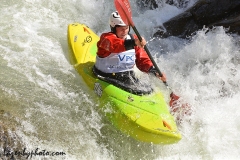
116, 20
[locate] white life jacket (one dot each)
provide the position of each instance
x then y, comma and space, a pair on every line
117, 62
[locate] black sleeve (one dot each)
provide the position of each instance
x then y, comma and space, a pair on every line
152, 71
129, 43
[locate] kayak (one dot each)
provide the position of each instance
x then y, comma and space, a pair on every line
143, 117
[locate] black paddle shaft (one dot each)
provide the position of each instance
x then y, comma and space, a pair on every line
149, 55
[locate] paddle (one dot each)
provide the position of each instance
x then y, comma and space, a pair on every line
124, 9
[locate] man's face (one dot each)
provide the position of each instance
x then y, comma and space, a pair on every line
122, 31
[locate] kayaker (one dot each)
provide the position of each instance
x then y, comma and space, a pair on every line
118, 52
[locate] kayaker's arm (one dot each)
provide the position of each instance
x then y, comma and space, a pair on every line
134, 42
110, 43
143, 61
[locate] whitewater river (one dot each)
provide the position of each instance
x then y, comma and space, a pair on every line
45, 105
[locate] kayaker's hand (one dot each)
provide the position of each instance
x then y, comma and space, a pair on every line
163, 78
153, 71
140, 44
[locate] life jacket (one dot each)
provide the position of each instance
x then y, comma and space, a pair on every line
117, 62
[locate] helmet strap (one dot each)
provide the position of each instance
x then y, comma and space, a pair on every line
113, 29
